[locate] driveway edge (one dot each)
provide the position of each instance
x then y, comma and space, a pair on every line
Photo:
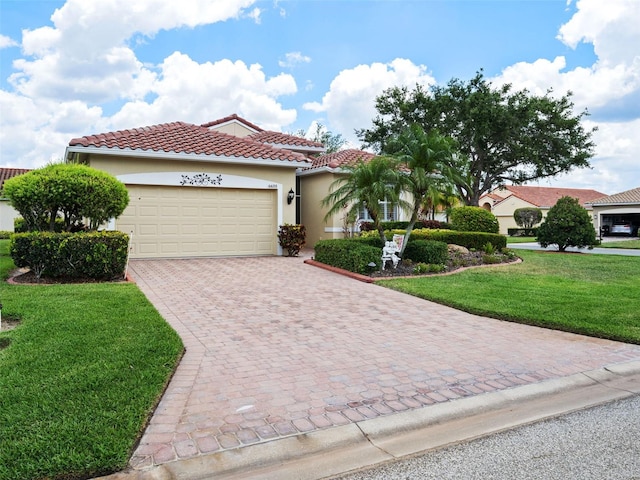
325, 453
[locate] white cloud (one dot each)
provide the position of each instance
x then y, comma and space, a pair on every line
194, 92
350, 102
6, 42
292, 59
88, 39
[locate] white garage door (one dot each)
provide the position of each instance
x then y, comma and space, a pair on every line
197, 222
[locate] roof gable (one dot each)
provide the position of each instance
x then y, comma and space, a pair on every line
234, 118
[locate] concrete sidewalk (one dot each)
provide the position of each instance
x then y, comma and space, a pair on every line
288, 363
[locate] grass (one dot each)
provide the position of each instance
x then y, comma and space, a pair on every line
81, 375
521, 239
633, 244
594, 295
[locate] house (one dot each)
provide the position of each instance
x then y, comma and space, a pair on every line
502, 202
623, 207
217, 189
7, 212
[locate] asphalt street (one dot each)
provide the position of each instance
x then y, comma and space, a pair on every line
599, 443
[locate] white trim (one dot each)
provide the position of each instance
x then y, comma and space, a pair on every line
185, 156
212, 180
313, 171
333, 230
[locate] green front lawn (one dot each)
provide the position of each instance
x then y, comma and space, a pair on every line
521, 239
81, 375
590, 294
633, 244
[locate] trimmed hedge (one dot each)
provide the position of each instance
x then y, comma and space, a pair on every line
354, 256
398, 225
426, 251
474, 219
470, 240
94, 255
522, 232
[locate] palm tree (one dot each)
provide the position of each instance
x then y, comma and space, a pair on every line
426, 158
367, 185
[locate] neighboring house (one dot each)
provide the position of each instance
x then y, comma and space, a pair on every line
7, 212
218, 189
503, 202
623, 207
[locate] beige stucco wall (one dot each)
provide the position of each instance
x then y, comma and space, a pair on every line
233, 128
7, 215
284, 176
313, 189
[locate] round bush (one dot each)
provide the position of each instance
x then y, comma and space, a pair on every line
426, 251
474, 219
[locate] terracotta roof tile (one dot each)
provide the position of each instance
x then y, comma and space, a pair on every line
181, 137
7, 173
546, 197
285, 140
626, 197
340, 158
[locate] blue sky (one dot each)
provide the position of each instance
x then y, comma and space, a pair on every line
77, 67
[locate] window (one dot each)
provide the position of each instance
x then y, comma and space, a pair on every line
389, 212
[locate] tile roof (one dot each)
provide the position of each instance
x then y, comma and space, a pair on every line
285, 140
340, 158
7, 173
547, 197
187, 138
629, 196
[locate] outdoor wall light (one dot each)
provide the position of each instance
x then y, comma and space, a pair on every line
290, 196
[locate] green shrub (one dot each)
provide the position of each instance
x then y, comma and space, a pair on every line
421, 268
426, 251
489, 249
474, 219
568, 224
372, 240
527, 217
292, 238
94, 255
470, 240
347, 254
76, 193
20, 226
5, 234
489, 259
522, 232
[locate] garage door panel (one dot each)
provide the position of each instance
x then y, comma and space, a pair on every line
196, 221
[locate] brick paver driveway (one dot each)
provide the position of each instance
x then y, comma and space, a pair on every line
276, 347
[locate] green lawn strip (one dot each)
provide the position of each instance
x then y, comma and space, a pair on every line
81, 375
521, 239
634, 244
593, 295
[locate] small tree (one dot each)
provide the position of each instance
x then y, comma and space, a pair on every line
567, 224
474, 219
527, 217
75, 193
366, 185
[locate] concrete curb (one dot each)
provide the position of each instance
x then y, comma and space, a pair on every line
337, 450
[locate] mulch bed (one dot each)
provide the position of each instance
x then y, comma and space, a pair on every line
28, 277
457, 261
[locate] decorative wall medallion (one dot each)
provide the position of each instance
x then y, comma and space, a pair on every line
201, 179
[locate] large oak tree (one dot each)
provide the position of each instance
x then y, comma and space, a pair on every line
503, 136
